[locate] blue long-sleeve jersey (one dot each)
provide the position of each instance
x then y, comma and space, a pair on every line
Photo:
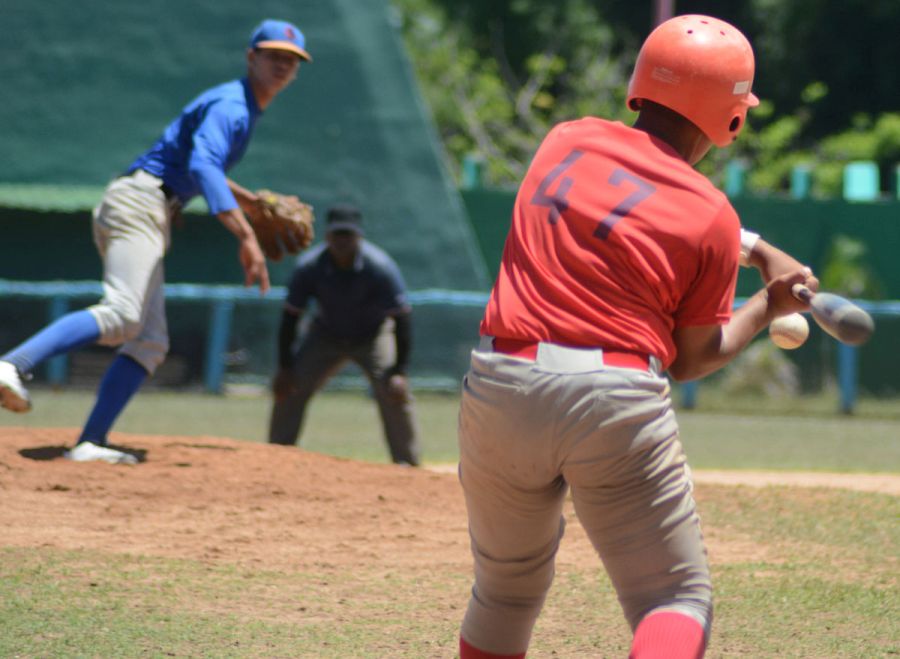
209, 137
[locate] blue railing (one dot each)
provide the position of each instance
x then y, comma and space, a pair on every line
222, 300
847, 360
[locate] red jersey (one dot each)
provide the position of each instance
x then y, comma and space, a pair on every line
615, 241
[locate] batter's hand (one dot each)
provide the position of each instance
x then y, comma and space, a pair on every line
254, 264
780, 298
282, 384
772, 262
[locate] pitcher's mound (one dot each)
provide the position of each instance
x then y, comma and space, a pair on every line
220, 499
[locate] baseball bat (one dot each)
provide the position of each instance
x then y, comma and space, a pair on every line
838, 316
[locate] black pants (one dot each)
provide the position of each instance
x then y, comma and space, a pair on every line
318, 358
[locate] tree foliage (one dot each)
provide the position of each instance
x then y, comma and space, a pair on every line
847, 270
499, 73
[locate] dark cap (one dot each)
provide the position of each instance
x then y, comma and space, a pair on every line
280, 35
344, 217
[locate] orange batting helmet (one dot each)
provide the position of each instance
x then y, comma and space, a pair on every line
700, 67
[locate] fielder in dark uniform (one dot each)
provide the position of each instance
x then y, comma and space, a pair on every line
362, 315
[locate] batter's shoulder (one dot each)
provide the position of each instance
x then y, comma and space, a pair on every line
717, 199
590, 125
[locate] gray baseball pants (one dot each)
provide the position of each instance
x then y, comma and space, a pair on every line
318, 358
132, 231
530, 431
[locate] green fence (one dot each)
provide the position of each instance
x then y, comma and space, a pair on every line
445, 328
96, 82
804, 228
97, 85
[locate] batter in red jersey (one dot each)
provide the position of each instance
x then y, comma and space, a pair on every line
620, 264
647, 244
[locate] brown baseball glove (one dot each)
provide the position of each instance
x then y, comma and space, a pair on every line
282, 223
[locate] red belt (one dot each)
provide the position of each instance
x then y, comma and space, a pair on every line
529, 349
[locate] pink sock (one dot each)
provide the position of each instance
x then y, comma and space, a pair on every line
467, 651
668, 635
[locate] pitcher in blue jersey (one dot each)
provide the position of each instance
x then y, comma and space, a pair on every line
132, 231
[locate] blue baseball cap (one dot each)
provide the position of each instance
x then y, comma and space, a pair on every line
280, 35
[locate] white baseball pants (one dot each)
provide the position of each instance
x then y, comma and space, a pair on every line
529, 431
132, 231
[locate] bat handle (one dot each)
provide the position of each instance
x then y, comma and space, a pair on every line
802, 293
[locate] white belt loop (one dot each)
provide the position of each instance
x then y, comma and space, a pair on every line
568, 360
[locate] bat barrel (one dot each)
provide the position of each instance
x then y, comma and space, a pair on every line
838, 316
845, 321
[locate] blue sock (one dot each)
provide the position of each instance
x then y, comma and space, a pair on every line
71, 331
122, 379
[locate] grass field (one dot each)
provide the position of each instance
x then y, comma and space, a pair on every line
782, 434
822, 587
798, 572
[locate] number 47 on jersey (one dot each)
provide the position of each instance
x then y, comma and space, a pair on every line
558, 203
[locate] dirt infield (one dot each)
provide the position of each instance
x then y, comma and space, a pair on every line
315, 541
200, 497
883, 483
219, 499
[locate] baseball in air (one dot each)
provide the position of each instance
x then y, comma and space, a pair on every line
789, 332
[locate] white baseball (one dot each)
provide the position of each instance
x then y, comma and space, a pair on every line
789, 332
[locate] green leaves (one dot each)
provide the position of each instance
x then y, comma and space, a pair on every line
847, 270
499, 76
